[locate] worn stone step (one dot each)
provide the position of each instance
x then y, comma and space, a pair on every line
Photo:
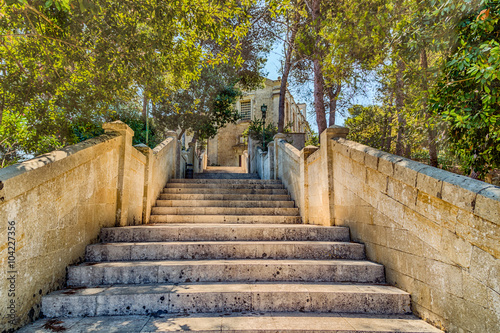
226, 297
256, 270
236, 219
224, 232
224, 211
224, 250
226, 197
224, 203
225, 185
216, 175
295, 322
198, 190
225, 181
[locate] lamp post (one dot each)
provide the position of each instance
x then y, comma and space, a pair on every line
263, 108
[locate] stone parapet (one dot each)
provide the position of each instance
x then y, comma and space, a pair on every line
436, 232
58, 203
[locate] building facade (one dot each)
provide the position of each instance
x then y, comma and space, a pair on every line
227, 148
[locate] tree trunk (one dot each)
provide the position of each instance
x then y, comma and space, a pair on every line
333, 94
319, 85
431, 133
399, 108
144, 107
319, 102
181, 134
388, 133
284, 79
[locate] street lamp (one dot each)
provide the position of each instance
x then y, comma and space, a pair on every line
263, 108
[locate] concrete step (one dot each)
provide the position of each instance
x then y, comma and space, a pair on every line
225, 181
224, 232
228, 197
224, 211
257, 270
225, 185
224, 250
226, 297
236, 219
238, 323
198, 190
224, 203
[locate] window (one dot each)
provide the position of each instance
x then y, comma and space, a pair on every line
246, 110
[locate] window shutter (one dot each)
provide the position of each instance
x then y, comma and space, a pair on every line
246, 110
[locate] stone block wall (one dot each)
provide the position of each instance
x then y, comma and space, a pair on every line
287, 167
437, 233
317, 194
138, 165
53, 206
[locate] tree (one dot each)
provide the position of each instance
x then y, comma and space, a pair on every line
202, 108
365, 125
63, 63
466, 96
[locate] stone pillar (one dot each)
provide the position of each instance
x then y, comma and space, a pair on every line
191, 155
304, 182
270, 151
123, 191
147, 198
327, 161
277, 138
177, 166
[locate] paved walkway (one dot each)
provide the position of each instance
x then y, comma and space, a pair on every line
224, 169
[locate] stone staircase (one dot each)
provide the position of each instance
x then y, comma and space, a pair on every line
230, 255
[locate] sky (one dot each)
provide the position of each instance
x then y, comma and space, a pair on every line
273, 66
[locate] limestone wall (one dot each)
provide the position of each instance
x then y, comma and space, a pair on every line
57, 204
53, 206
317, 194
437, 233
287, 167
138, 165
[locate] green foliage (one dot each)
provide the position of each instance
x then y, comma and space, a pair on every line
467, 94
258, 130
64, 62
313, 140
203, 108
365, 125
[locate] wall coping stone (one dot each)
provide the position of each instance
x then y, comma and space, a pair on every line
163, 144
461, 191
117, 126
289, 149
14, 179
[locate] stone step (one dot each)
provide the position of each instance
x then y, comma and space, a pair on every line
224, 211
217, 175
225, 181
295, 322
224, 232
227, 197
226, 297
236, 219
224, 250
226, 186
224, 203
257, 270
198, 190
